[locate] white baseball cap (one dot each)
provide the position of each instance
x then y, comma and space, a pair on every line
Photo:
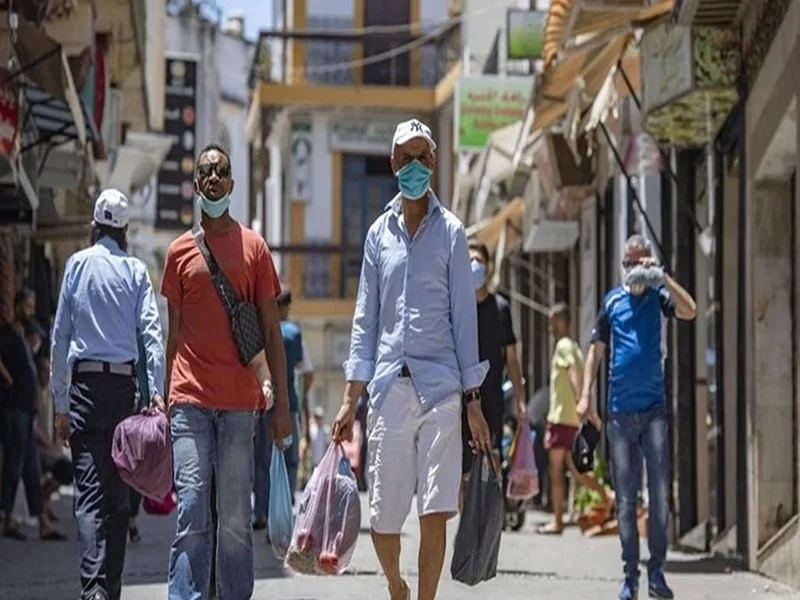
408, 130
111, 209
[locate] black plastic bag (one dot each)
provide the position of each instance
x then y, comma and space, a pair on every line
477, 544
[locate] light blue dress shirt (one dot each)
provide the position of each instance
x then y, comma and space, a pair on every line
416, 306
106, 299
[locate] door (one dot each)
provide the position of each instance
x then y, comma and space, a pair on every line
368, 186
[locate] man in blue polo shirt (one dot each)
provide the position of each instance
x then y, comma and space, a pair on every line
630, 321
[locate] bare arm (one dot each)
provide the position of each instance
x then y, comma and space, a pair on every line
596, 353
685, 306
576, 379
515, 373
5, 375
276, 355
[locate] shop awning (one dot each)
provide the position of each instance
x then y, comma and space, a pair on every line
507, 223
55, 120
43, 62
551, 236
496, 164
138, 160
572, 22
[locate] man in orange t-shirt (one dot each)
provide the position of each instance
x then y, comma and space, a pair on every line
213, 398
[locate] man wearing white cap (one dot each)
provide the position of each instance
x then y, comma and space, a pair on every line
106, 299
414, 347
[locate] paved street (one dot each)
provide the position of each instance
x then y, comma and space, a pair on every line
531, 567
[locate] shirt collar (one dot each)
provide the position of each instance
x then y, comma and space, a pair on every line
110, 244
396, 204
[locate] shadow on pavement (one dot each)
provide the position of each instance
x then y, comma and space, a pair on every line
708, 565
35, 570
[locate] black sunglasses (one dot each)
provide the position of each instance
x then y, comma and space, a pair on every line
222, 170
629, 264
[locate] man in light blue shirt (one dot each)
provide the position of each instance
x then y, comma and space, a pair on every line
414, 347
106, 298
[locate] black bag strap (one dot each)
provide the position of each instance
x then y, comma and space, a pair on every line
223, 285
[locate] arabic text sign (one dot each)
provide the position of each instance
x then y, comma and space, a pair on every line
487, 103
525, 33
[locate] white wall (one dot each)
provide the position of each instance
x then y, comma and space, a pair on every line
330, 8
482, 21
319, 211
233, 118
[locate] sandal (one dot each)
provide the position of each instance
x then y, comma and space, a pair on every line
549, 529
52, 536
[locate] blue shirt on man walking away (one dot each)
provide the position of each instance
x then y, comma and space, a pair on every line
105, 299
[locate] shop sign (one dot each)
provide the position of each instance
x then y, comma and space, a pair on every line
525, 33
9, 118
175, 191
487, 103
362, 137
689, 75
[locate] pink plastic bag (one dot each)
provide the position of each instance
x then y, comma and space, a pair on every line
328, 519
142, 451
162, 507
523, 479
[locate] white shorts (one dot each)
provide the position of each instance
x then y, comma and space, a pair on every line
410, 451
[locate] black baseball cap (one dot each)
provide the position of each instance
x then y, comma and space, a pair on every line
583, 447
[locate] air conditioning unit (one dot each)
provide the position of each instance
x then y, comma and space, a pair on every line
566, 178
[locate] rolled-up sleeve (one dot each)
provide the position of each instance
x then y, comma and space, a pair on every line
150, 330
360, 365
59, 346
464, 313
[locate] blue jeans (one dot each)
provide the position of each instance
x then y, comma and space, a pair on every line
203, 439
263, 456
633, 437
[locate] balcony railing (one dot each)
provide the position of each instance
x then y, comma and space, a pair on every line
346, 58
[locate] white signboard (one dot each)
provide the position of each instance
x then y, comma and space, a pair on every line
362, 137
666, 55
300, 187
588, 299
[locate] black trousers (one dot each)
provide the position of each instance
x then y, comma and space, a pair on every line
98, 402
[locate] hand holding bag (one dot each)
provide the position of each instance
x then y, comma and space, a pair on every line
244, 315
477, 544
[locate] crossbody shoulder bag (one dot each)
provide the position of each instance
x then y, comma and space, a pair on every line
244, 315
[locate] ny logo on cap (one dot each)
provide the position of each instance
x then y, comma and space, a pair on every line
107, 215
416, 126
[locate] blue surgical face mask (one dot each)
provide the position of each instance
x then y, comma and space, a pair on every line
478, 273
414, 180
214, 208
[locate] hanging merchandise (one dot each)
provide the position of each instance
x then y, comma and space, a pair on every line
7, 277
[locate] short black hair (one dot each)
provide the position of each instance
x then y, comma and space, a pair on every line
214, 148
23, 295
482, 248
561, 310
118, 234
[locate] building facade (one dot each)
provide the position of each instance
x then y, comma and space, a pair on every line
324, 110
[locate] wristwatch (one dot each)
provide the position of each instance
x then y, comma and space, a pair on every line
470, 396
